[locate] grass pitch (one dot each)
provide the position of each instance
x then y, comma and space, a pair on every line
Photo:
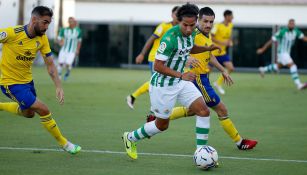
95, 115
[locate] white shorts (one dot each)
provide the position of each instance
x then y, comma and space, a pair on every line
163, 99
66, 57
284, 59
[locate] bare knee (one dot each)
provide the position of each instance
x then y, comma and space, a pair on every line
222, 113
203, 112
28, 114
162, 124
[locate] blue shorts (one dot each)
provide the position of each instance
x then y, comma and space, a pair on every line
23, 94
223, 58
203, 85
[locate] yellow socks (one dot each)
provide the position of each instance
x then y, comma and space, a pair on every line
141, 90
178, 112
49, 123
220, 80
230, 129
11, 107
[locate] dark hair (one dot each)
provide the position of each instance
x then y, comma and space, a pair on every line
206, 11
227, 13
42, 11
175, 9
187, 10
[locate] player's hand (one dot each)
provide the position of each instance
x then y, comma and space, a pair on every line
215, 47
60, 95
188, 76
192, 62
260, 51
139, 59
227, 79
61, 43
230, 43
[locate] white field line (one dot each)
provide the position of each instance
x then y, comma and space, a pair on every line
154, 154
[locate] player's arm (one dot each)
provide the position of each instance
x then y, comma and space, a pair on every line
228, 80
53, 73
160, 67
225, 43
139, 59
264, 47
199, 49
60, 38
79, 43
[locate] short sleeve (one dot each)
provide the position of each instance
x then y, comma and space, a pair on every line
79, 35
277, 35
159, 31
165, 49
6, 34
45, 49
61, 34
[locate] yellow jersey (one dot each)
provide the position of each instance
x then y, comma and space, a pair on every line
204, 57
158, 33
222, 33
18, 54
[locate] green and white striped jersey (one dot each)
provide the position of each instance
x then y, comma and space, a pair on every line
286, 39
71, 38
174, 49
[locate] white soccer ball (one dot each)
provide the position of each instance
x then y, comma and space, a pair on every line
205, 157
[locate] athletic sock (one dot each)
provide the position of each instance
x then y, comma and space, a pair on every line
178, 112
202, 130
11, 107
49, 123
141, 90
231, 130
147, 130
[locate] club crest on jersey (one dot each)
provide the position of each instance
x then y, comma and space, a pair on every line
3, 35
162, 47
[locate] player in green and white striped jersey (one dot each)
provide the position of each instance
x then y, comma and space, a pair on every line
170, 84
285, 38
70, 39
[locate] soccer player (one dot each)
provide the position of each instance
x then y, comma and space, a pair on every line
70, 39
154, 41
285, 38
222, 36
20, 46
170, 84
201, 70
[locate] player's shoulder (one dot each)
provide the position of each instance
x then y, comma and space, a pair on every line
18, 29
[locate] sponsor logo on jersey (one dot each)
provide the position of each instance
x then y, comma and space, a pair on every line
184, 52
27, 56
28, 53
162, 47
20, 43
3, 35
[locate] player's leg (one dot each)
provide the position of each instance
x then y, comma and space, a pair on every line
68, 64
61, 62
139, 91
130, 99
162, 101
51, 126
16, 93
223, 60
295, 77
190, 97
230, 129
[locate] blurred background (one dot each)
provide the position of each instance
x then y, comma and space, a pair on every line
114, 31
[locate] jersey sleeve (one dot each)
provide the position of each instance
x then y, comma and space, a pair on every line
6, 34
277, 35
45, 49
165, 49
159, 30
61, 34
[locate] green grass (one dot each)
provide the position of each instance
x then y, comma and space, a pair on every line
95, 115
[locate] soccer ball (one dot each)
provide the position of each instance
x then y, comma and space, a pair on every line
205, 157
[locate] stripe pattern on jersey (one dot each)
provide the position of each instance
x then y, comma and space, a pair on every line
176, 61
